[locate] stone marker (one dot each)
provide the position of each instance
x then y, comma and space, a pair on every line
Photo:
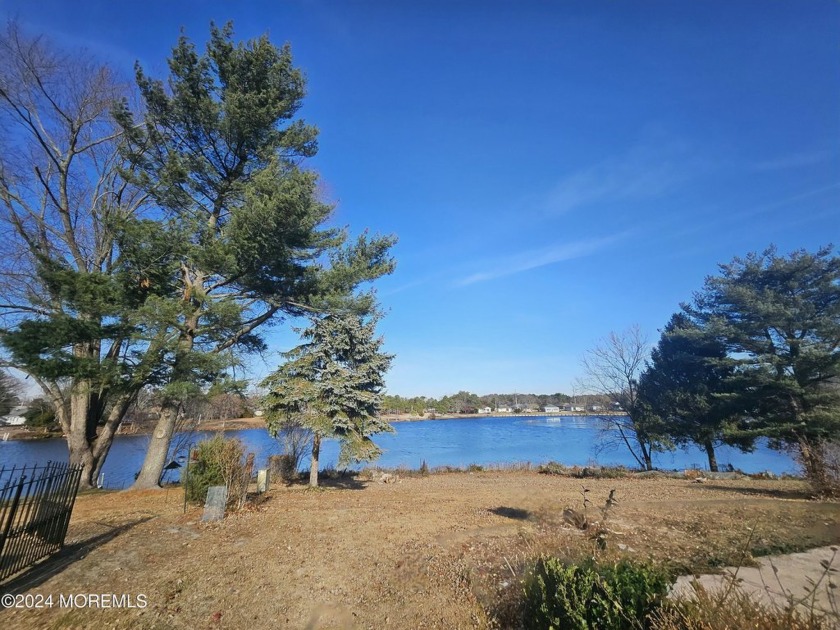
262, 480
214, 507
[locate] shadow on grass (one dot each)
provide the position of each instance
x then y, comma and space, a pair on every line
770, 493
36, 575
510, 512
341, 480
349, 481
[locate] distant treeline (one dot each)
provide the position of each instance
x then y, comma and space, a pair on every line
467, 402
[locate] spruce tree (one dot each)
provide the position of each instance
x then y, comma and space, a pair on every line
332, 384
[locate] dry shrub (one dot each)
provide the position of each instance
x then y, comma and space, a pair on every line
220, 462
283, 467
821, 464
733, 610
583, 472
296, 442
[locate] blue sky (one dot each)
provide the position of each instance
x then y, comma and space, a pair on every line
553, 170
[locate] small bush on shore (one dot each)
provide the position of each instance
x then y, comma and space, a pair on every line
284, 467
589, 595
218, 461
295, 442
41, 415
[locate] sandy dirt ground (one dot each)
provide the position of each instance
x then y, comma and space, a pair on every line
440, 551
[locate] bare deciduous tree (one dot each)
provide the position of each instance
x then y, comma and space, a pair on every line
10, 389
61, 193
612, 369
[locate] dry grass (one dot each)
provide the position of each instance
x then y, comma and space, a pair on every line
735, 610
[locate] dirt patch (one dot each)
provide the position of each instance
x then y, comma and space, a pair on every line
426, 552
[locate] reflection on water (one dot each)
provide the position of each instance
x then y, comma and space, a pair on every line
457, 442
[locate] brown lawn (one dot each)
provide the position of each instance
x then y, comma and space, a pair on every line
442, 551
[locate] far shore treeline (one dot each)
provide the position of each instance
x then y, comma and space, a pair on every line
465, 402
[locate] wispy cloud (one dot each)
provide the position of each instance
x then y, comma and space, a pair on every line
411, 284
648, 170
795, 160
532, 259
724, 218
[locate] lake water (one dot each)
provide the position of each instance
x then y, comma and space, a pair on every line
456, 442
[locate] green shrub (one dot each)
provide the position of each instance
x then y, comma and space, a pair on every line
217, 462
41, 414
593, 596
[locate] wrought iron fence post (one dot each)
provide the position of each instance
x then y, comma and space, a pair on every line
35, 511
11, 518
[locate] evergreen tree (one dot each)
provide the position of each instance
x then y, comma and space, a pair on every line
332, 384
780, 318
219, 150
686, 385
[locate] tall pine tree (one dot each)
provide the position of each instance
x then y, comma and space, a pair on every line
218, 148
780, 319
686, 384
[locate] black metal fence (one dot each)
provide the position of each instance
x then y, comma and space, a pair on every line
35, 507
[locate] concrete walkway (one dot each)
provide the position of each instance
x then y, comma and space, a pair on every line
810, 579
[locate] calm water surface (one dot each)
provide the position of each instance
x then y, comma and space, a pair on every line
457, 442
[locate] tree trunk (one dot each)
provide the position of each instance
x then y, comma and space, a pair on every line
158, 450
78, 445
105, 438
313, 469
627, 441
710, 452
83, 456
645, 447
